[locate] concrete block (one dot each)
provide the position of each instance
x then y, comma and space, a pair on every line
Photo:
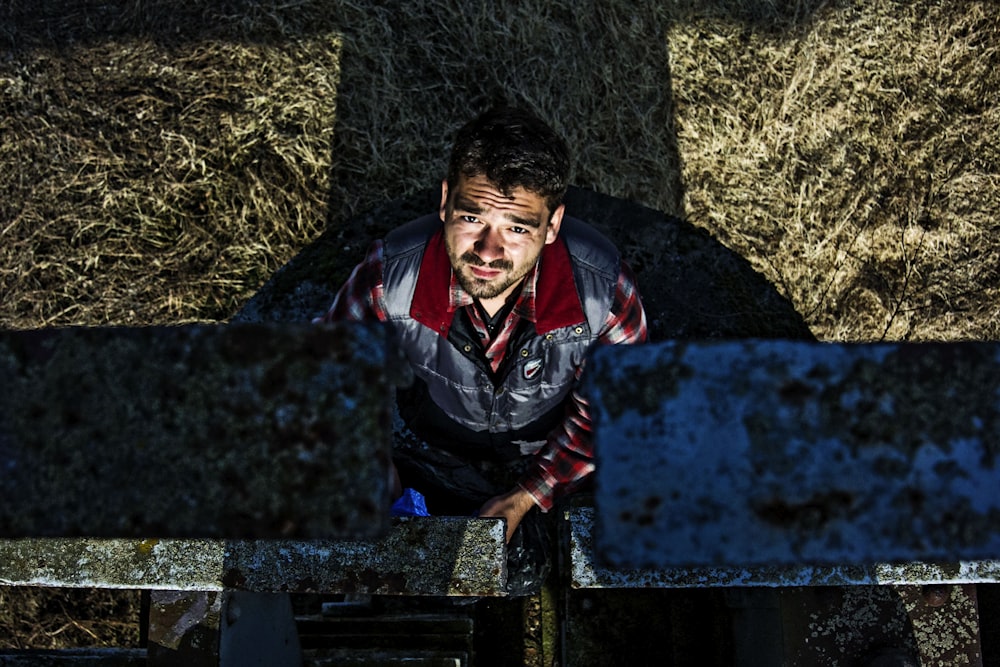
195, 431
157, 564
789, 453
441, 556
587, 572
453, 556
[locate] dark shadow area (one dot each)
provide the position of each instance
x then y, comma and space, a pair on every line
600, 75
47, 23
664, 627
693, 287
989, 628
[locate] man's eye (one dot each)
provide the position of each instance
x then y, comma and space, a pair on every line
470, 218
519, 230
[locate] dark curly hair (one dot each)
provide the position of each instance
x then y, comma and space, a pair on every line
512, 147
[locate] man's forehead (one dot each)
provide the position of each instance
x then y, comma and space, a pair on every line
477, 193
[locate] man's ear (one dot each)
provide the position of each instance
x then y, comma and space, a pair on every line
444, 199
552, 231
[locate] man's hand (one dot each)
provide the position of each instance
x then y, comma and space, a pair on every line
512, 506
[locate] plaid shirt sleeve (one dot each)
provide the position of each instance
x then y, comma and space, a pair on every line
567, 459
362, 297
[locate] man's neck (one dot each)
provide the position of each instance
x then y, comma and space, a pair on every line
493, 306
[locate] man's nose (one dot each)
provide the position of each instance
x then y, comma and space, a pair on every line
489, 246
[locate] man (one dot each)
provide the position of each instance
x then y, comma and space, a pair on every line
494, 301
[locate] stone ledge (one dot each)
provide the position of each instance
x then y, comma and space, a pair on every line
441, 556
586, 572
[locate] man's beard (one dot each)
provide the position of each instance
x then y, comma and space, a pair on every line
482, 289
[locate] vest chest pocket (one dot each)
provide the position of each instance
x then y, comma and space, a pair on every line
531, 368
545, 368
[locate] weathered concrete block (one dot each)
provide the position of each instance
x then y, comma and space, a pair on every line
781, 453
195, 431
587, 572
420, 556
440, 556
165, 564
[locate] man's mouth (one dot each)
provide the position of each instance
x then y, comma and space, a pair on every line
486, 271
483, 273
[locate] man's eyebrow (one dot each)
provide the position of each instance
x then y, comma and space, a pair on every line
468, 206
524, 222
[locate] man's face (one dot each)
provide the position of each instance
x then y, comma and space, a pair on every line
493, 240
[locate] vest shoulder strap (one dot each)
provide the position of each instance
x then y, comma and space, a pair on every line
404, 248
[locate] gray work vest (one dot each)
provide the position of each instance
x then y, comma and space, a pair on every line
456, 404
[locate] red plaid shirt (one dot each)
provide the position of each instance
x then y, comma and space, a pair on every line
566, 459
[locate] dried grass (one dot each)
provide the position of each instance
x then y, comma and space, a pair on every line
164, 169
853, 158
34, 618
154, 175
160, 159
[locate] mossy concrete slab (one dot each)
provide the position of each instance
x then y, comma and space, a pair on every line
765, 453
453, 556
167, 564
439, 556
195, 431
76, 657
586, 572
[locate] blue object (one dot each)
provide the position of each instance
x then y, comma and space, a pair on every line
411, 503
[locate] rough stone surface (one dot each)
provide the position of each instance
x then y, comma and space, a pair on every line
420, 556
182, 565
693, 287
195, 431
847, 626
945, 625
587, 572
783, 453
427, 556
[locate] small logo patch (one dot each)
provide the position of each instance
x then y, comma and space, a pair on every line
531, 368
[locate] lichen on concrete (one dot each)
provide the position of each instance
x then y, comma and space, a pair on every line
780, 452
195, 431
946, 633
111, 563
436, 556
587, 571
